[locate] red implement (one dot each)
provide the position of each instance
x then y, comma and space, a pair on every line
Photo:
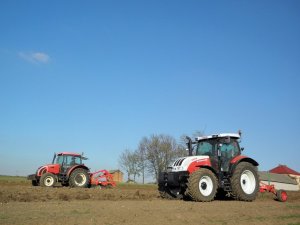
102, 178
281, 195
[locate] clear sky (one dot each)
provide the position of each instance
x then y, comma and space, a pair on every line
97, 76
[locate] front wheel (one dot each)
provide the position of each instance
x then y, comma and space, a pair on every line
48, 180
244, 182
79, 178
202, 185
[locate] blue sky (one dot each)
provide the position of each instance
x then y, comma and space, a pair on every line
97, 76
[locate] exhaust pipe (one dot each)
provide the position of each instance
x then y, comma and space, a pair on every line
189, 144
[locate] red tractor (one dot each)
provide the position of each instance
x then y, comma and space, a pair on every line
67, 168
217, 166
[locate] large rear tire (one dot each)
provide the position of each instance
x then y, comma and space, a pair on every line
48, 180
202, 185
244, 182
79, 178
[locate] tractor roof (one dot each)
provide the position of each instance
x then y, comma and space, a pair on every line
232, 135
69, 153
72, 154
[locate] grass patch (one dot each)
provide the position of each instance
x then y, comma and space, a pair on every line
293, 206
3, 217
8, 180
260, 218
291, 216
12, 178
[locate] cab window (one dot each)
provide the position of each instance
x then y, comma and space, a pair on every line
204, 148
59, 159
230, 150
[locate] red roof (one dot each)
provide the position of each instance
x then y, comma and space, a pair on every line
283, 169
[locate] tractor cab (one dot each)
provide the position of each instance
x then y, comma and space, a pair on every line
66, 160
221, 149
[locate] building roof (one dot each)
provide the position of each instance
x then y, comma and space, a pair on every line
115, 171
283, 169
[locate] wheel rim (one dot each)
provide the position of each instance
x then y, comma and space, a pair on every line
205, 185
248, 182
49, 181
283, 196
80, 179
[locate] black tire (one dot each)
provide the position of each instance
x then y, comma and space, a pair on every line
202, 185
35, 183
79, 178
48, 180
281, 196
245, 182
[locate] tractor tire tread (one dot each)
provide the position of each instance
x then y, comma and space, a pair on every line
72, 182
193, 185
237, 191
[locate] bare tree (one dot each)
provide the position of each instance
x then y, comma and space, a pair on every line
129, 161
160, 151
135, 164
124, 162
141, 152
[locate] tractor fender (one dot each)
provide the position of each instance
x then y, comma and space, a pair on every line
241, 158
206, 165
195, 165
76, 167
41, 170
49, 168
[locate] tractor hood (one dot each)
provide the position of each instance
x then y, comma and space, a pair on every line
51, 168
182, 164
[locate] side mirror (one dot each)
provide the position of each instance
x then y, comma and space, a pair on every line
189, 145
242, 149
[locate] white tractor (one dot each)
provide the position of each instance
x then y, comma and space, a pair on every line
215, 166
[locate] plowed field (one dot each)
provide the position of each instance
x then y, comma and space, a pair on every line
134, 204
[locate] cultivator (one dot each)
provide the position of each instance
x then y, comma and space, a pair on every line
281, 195
102, 179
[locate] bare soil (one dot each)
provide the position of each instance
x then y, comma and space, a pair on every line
134, 204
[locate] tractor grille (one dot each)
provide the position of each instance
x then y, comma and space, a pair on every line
178, 162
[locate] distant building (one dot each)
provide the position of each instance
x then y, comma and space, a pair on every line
283, 169
117, 175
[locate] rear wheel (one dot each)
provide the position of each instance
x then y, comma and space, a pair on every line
79, 178
245, 182
48, 180
202, 185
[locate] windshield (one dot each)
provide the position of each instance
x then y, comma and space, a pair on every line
59, 159
68, 160
204, 148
